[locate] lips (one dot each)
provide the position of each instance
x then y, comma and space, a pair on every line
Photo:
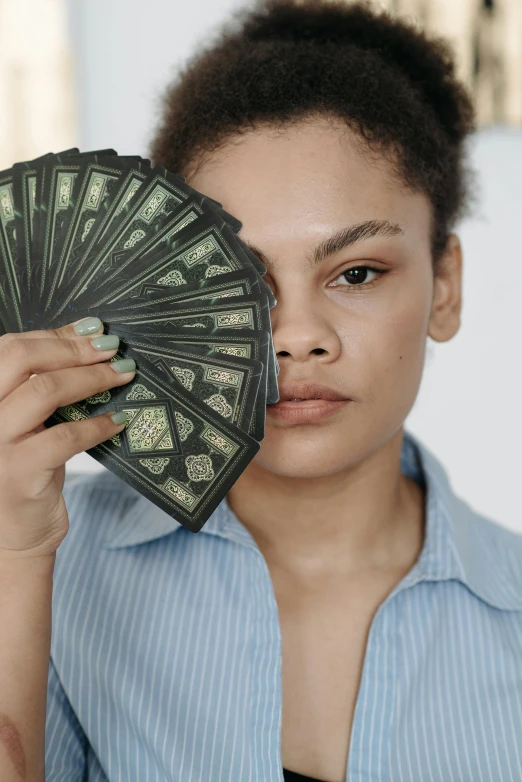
318, 402
305, 391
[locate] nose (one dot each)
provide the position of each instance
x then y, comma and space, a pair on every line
301, 332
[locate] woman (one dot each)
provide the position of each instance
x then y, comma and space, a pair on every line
342, 615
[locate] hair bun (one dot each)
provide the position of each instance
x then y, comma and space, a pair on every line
428, 68
284, 20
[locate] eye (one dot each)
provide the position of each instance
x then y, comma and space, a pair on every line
358, 275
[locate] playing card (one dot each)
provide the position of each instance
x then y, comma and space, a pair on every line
205, 248
242, 282
25, 187
138, 222
97, 180
229, 384
243, 344
155, 297
234, 312
108, 212
9, 286
138, 256
180, 453
162, 266
59, 174
24, 193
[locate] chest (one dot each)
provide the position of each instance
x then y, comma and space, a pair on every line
324, 634
170, 659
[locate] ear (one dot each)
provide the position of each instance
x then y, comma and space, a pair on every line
447, 293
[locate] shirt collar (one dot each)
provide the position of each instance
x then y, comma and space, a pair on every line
459, 542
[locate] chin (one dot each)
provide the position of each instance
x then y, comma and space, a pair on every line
307, 458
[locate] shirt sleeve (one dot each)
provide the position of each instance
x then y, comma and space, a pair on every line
66, 744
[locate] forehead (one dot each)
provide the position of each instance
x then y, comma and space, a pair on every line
309, 174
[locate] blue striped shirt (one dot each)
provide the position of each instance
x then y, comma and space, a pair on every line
166, 648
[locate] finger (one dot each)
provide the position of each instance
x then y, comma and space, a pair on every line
89, 326
35, 400
53, 447
20, 358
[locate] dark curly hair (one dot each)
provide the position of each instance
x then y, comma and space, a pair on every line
286, 60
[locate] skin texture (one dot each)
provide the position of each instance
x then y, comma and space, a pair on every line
10, 738
292, 191
41, 370
337, 522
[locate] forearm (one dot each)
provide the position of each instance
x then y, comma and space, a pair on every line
25, 631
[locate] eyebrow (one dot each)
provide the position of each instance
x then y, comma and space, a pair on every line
341, 240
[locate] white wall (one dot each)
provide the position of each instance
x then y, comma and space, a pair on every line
126, 52
469, 408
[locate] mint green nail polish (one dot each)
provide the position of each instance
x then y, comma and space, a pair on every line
88, 326
123, 365
106, 342
119, 418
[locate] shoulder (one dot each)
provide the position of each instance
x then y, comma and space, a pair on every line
491, 554
99, 487
96, 502
503, 542
476, 536
506, 547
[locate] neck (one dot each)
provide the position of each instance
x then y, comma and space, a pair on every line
368, 516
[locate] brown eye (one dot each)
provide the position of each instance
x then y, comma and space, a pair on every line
357, 277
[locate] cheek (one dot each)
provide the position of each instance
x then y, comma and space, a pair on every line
394, 347
383, 344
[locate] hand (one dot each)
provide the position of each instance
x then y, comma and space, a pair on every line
43, 370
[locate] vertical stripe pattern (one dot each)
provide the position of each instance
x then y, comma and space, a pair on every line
166, 649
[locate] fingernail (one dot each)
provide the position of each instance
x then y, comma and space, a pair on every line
119, 418
106, 342
124, 365
88, 326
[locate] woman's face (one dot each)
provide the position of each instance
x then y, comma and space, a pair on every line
295, 190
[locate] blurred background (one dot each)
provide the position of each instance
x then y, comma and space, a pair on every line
91, 74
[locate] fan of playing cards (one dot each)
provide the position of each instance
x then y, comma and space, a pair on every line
98, 234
